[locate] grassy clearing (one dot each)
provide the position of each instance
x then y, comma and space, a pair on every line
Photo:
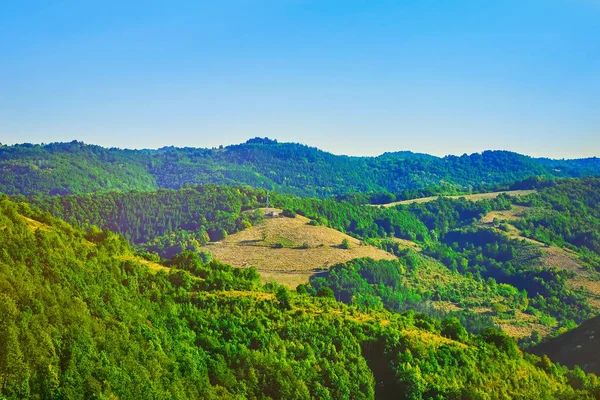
289, 250
33, 224
472, 197
506, 215
154, 267
407, 243
522, 325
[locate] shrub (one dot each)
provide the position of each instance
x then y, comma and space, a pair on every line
326, 292
289, 213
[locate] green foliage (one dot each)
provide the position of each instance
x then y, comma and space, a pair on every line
345, 244
357, 220
566, 213
325, 292
301, 289
453, 329
489, 255
84, 319
166, 221
75, 168
284, 298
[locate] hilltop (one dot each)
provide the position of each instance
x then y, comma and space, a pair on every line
75, 168
289, 250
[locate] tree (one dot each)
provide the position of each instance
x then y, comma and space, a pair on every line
345, 244
283, 296
301, 289
453, 329
325, 292
288, 213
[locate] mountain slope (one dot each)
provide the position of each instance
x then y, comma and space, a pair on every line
63, 168
78, 321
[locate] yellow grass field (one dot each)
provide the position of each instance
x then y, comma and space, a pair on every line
304, 249
472, 197
154, 267
33, 224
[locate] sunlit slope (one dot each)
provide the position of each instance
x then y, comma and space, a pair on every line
290, 250
472, 197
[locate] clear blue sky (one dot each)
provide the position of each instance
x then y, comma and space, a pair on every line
353, 77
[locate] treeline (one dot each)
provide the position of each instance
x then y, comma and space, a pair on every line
359, 220
76, 168
82, 317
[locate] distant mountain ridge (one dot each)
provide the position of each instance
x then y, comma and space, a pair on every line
75, 167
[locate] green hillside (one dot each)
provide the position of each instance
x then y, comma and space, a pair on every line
82, 318
75, 168
488, 262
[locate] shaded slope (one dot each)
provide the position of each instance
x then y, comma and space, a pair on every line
578, 347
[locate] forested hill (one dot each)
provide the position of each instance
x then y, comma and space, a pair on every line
81, 317
75, 168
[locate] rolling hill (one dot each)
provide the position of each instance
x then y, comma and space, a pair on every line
486, 257
290, 250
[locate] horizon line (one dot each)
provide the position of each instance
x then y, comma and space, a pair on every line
276, 141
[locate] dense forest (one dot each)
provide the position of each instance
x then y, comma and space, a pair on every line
210, 212
81, 316
76, 168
